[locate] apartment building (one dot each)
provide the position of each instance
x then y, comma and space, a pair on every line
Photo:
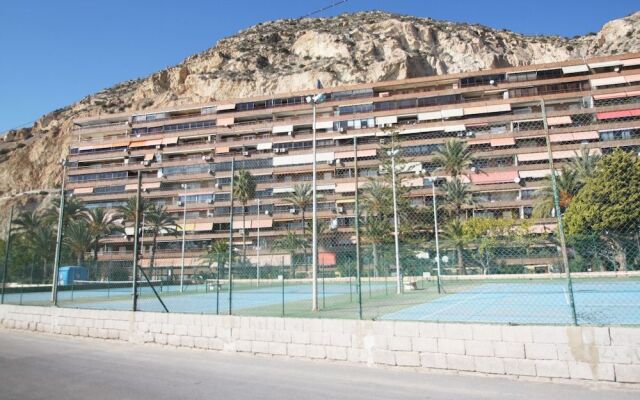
593, 103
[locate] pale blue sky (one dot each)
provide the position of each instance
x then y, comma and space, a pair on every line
53, 53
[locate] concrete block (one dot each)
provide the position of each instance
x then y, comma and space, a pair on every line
194, 330
168, 329
320, 338
260, 347
478, 348
332, 325
316, 352
281, 336
276, 348
399, 343
224, 332
549, 334
520, 367
263, 335
460, 362
451, 346
336, 353
588, 335
487, 332
296, 350
215, 344
456, 331
180, 330
552, 368
517, 334
589, 371
615, 354
186, 341
407, 358
312, 325
625, 336
384, 357
160, 338
402, 328
209, 331
356, 355
433, 360
628, 373
421, 344
244, 346
300, 337
173, 340
201, 342
489, 365
340, 339
540, 351
385, 328
294, 324
508, 350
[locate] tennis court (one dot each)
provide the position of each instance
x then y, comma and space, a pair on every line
596, 302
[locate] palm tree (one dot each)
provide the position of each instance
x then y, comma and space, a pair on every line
453, 157
244, 189
454, 236
568, 185
34, 227
301, 198
217, 253
159, 220
43, 240
584, 164
74, 208
101, 224
376, 232
290, 243
456, 196
77, 238
127, 211
377, 202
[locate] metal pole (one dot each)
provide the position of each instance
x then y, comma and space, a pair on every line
435, 229
56, 260
282, 272
556, 204
184, 232
314, 221
231, 234
258, 249
357, 212
5, 268
395, 219
136, 237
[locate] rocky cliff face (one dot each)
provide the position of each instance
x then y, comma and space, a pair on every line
289, 55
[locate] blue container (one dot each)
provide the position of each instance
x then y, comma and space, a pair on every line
67, 275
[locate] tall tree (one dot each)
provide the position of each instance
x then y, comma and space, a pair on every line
454, 236
456, 196
290, 243
301, 198
568, 186
244, 189
77, 238
74, 209
127, 211
37, 231
159, 221
218, 253
609, 204
101, 224
453, 157
584, 164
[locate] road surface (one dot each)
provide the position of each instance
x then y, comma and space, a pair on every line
38, 366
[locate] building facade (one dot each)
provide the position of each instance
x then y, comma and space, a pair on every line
499, 113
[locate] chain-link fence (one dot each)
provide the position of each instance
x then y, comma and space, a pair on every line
527, 221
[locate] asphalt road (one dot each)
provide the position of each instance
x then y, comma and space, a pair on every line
35, 366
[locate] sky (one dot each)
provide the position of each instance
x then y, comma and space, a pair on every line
53, 53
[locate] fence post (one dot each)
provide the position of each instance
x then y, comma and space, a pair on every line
282, 272
556, 204
357, 223
231, 234
56, 260
136, 236
5, 268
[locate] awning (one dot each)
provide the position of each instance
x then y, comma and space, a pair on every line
343, 155
561, 137
196, 227
473, 142
614, 80
498, 142
84, 190
172, 140
532, 157
225, 107
144, 186
120, 143
604, 64
560, 154
538, 173
487, 109
574, 69
413, 182
348, 187
616, 95
225, 121
149, 156
264, 146
632, 78
224, 149
631, 61
283, 190
324, 125
253, 223
331, 186
302, 159
145, 143
345, 201
619, 114
488, 178
452, 112
455, 128
428, 116
552, 121
282, 129
391, 119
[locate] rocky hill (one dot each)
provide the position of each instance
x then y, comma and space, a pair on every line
287, 55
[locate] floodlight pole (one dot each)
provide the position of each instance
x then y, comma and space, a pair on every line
314, 220
357, 215
184, 232
56, 260
435, 229
231, 234
136, 237
258, 248
395, 217
5, 267
556, 204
